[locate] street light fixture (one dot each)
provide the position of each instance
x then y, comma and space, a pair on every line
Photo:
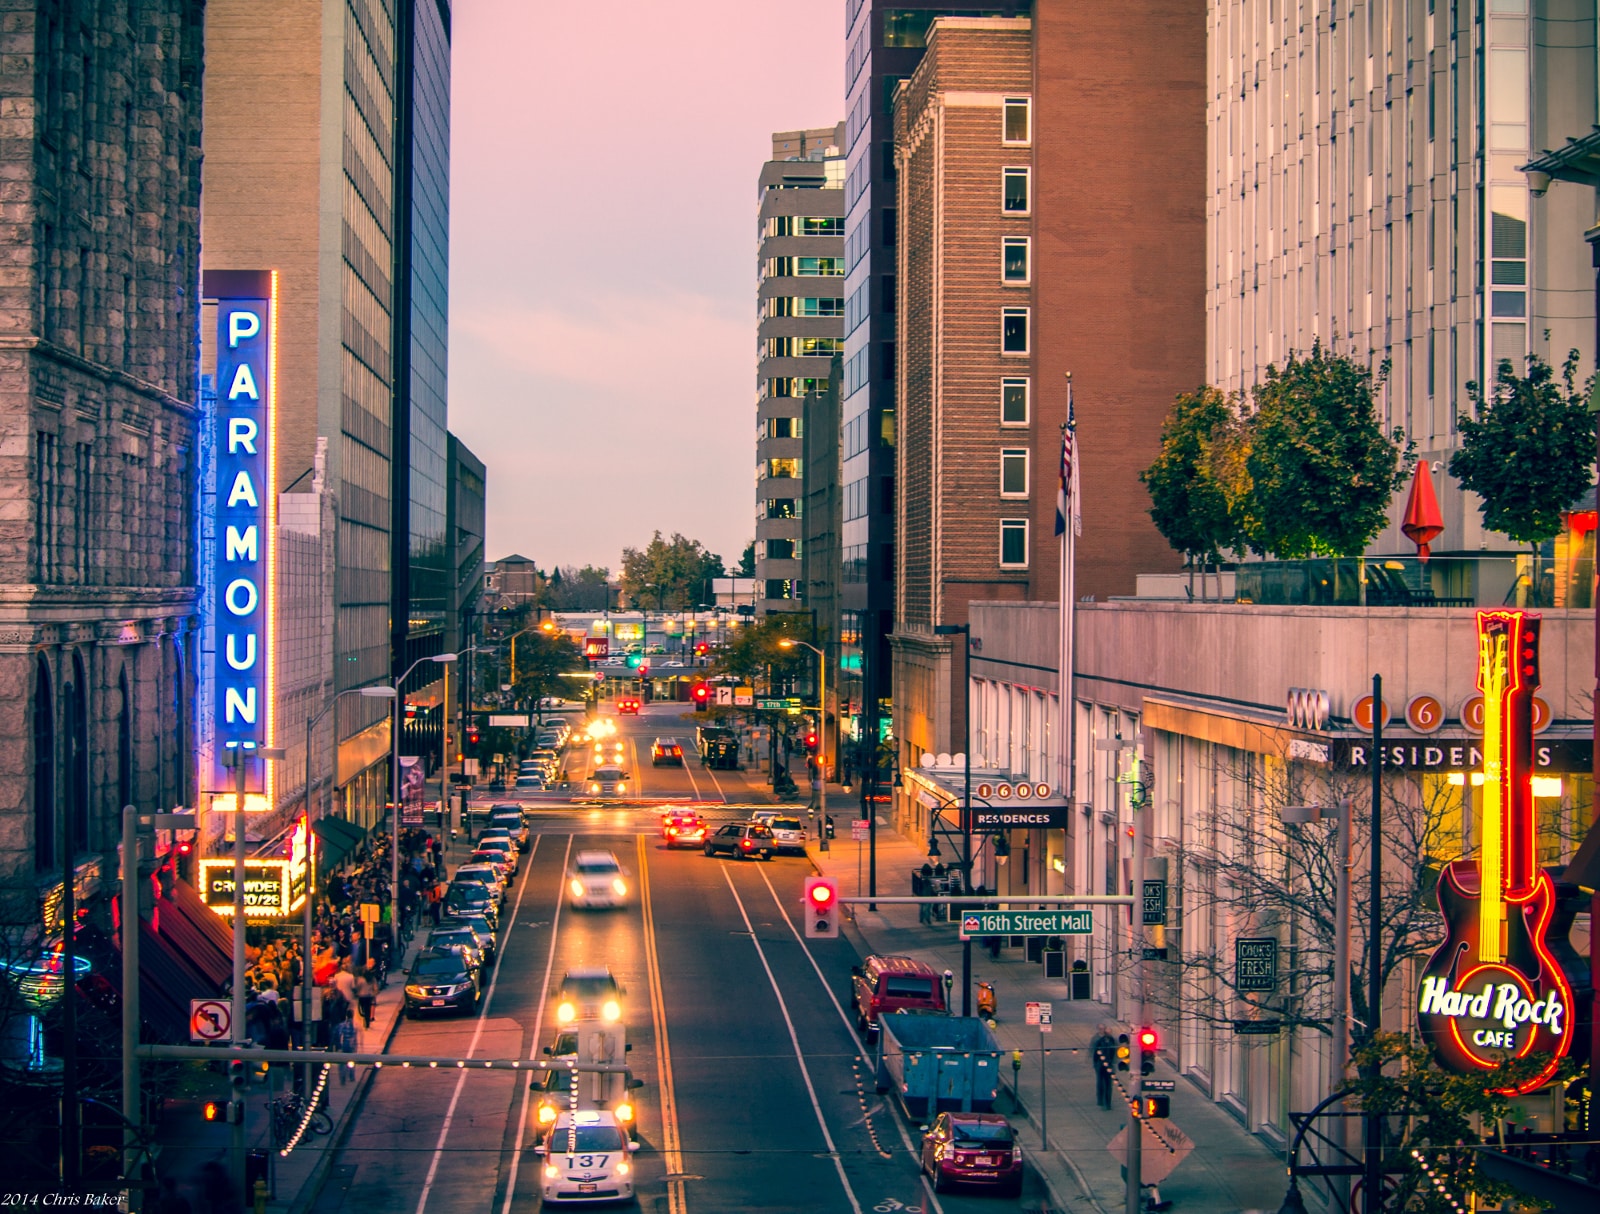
394, 796
965, 631
822, 734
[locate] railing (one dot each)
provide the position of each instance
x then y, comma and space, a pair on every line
1445, 581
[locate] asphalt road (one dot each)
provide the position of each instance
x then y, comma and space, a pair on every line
758, 1094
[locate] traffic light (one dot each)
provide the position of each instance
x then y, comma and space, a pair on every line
411, 711
238, 1075
1124, 1052
472, 737
811, 741
822, 908
702, 696
1155, 1106
214, 1110
1149, 1043
701, 649
634, 661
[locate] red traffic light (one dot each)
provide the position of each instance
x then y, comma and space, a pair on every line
702, 649
1148, 1040
472, 737
811, 739
821, 895
702, 691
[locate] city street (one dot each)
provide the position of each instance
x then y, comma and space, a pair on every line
758, 1094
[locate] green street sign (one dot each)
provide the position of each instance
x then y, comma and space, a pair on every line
1027, 923
772, 705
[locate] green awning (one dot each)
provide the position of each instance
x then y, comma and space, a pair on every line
336, 840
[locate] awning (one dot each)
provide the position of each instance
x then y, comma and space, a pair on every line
338, 839
167, 982
196, 932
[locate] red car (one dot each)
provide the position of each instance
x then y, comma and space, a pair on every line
975, 1149
684, 828
628, 706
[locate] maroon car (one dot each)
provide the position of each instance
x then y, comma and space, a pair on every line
974, 1149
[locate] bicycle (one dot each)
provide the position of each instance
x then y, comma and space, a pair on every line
288, 1111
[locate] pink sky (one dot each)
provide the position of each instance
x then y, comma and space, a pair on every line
602, 262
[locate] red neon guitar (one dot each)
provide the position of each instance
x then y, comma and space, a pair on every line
1493, 990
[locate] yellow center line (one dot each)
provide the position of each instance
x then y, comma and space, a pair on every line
671, 1147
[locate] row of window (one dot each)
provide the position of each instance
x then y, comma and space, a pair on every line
803, 267
782, 507
803, 347
803, 225
781, 427
780, 469
794, 385
777, 550
802, 305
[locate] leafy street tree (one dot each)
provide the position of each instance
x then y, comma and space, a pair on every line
1322, 470
543, 658
669, 574
1190, 505
1528, 449
747, 561
573, 589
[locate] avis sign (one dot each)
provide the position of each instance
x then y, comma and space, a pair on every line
240, 563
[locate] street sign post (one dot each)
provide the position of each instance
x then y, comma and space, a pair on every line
210, 1020
1027, 923
859, 829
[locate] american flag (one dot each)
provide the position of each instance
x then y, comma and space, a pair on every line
1067, 494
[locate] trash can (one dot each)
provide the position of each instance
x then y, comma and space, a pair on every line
257, 1166
1079, 981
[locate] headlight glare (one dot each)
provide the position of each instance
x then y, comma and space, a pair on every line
619, 886
577, 888
566, 1013
612, 1011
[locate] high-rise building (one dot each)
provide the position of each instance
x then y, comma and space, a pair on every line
799, 326
466, 495
1366, 190
1027, 248
98, 400
326, 155
884, 40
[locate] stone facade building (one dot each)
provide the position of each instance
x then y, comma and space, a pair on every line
100, 143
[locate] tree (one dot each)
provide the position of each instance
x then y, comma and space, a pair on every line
1322, 470
1189, 504
1436, 1123
674, 573
1529, 448
574, 589
543, 661
747, 561
755, 652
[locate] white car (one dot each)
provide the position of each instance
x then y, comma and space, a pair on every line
609, 781
597, 880
586, 1158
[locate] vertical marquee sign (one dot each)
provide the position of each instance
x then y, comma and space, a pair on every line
240, 564
1493, 990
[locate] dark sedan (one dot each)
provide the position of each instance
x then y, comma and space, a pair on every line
461, 901
441, 981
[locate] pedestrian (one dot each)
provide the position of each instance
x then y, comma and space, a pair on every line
344, 982
1103, 1054
366, 993
344, 1040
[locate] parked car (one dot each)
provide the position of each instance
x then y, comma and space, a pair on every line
741, 840
973, 1149
888, 983
512, 823
491, 942
441, 980
464, 901
500, 845
460, 938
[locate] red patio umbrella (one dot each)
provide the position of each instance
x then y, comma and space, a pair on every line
1423, 523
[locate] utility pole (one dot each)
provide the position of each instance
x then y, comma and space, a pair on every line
1373, 1183
130, 993
1136, 938
70, 1157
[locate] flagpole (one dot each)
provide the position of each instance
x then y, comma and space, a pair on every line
1067, 525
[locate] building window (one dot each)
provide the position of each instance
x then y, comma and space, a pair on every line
803, 347
75, 716
855, 563
1014, 259
781, 588
1018, 124
1014, 472
779, 469
890, 227
1013, 543
796, 386
1015, 193
784, 427
1014, 402
805, 267
782, 507
804, 225
1014, 330
791, 305
47, 495
779, 550
44, 771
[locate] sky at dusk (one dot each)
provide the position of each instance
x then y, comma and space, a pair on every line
602, 264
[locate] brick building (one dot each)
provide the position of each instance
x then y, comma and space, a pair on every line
98, 388
1032, 242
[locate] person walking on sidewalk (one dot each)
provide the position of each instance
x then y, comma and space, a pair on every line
366, 993
341, 1016
1103, 1050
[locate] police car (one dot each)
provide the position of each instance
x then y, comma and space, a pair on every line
587, 1158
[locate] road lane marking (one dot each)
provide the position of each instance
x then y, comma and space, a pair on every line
477, 1034
671, 1146
538, 1027
794, 1040
905, 1138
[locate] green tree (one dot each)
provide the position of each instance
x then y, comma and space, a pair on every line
1528, 449
543, 659
1430, 1121
747, 561
574, 589
754, 653
1322, 471
1189, 504
672, 573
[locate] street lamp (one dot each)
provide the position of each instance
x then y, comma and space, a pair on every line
965, 631
822, 734
394, 796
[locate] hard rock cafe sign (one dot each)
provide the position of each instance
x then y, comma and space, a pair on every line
1493, 990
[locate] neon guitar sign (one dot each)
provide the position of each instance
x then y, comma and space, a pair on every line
1493, 990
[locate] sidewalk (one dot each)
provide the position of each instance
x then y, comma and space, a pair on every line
187, 1142
1229, 1171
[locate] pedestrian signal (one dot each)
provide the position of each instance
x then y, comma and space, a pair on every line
1155, 1106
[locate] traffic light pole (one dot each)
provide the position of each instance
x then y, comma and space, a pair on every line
1136, 937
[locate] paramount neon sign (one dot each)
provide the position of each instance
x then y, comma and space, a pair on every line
241, 562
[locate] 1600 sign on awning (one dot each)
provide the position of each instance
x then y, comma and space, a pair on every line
1493, 990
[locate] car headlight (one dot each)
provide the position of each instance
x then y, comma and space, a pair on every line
547, 1114
611, 1012
415, 992
594, 788
551, 1172
624, 1111
620, 887
622, 1167
621, 787
577, 888
566, 1013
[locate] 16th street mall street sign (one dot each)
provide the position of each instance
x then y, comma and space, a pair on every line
1027, 923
